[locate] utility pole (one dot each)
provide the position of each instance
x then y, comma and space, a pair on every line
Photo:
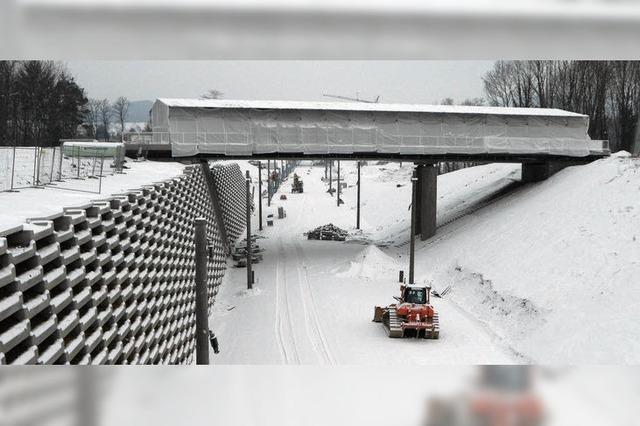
249, 274
412, 240
358, 207
268, 183
202, 297
338, 186
260, 194
330, 177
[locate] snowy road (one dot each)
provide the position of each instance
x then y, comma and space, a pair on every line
313, 300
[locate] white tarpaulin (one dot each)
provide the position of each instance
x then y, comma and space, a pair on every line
202, 126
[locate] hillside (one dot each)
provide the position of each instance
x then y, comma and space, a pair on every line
554, 268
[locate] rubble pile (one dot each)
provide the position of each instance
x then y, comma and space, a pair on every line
328, 232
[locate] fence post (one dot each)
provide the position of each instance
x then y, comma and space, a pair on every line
249, 248
93, 169
202, 297
13, 166
53, 164
100, 181
36, 169
61, 160
78, 165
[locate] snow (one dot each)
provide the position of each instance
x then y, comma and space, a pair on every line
17, 207
317, 297
540, 273
369, 264
314, 395
363, 106
551, 268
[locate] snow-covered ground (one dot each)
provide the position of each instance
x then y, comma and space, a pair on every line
542, 272
314, 396
552, 268
16, 207
313, 301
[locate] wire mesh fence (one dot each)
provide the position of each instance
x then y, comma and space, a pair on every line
64, 167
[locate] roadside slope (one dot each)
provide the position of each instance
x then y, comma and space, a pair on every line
554, 268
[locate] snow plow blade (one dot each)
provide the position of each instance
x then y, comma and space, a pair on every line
377, 315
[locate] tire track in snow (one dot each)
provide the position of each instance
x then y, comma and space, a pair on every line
284, 315
278, 321
315, 333
313, 318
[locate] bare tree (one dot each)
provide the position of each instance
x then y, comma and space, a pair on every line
473, 102
121, 111
607, 91
213, 94
499, 84
105, 111
92, 118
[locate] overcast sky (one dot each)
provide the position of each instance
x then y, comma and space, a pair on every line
394, 81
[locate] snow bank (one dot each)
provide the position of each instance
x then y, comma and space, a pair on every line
368, 264
39, 202
554, 267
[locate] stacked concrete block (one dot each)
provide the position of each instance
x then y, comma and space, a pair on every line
231, 187
110, 282
49, 396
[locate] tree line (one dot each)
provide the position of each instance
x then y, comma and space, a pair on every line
607, 91
41, 103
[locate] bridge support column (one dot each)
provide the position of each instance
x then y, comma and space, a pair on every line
536, 172
427, 195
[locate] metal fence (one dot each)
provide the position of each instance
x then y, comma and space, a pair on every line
34, 167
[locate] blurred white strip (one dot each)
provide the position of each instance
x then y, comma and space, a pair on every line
195, 29
550, 8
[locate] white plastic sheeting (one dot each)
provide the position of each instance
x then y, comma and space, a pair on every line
254, 127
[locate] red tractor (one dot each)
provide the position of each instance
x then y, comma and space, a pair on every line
504, 397
412, 316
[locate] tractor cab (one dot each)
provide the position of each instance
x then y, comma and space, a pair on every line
415, 295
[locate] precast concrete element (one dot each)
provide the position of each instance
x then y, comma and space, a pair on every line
112, 281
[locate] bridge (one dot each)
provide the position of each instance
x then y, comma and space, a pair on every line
543, 140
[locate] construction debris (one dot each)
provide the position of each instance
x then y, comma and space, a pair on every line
239, 254
297, 186
328, 232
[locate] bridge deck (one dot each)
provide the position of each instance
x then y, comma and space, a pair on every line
163, 151
240, 129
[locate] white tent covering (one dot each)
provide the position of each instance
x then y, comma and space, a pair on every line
232, 127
